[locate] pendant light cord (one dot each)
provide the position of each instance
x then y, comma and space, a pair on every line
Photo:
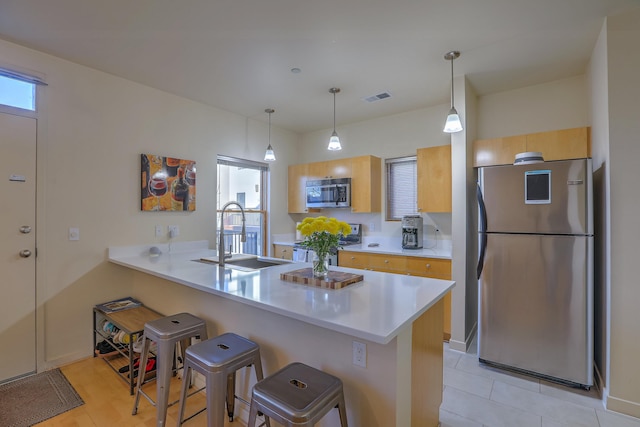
451, 60
334, 110
269, 128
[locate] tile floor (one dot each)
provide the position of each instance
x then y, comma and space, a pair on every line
479, 396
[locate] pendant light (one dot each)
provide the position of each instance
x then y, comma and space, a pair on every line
269, 155
452, 124
334, 141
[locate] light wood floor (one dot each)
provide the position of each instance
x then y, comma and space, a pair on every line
107, 401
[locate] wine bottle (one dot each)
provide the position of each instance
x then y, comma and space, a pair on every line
180, 193
145, 176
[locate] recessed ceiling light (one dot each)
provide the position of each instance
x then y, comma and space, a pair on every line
296, 70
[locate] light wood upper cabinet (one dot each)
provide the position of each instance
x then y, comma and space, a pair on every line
297, 179
434, 179
498, 151
366, 187
365, 173
340, 168
562, 144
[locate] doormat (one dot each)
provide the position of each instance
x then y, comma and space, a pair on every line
36, 398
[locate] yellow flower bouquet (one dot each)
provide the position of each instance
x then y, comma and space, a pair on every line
322, 235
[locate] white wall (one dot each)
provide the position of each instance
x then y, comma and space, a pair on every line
560, 104
599, 104
93, 129
623, 55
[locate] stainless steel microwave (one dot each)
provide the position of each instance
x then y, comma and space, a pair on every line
328, 193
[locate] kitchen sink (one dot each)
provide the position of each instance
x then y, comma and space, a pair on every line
247, 264
254, 263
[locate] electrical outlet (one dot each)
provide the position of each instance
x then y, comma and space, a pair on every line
74, 233
372, 226
174, 231
359, 354
158, 231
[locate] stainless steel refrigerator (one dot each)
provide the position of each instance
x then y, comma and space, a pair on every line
535, 269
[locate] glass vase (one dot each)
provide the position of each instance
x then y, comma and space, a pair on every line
320, 266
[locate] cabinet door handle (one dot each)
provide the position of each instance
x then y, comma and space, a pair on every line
428, 266
386, 261
353, 257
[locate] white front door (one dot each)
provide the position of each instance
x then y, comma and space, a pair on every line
17, 246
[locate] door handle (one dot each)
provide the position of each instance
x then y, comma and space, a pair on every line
25, 253
25, 229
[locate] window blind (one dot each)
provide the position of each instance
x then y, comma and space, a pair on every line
401, 187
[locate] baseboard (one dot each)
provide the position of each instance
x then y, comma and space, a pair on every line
622, 406
464, 345
67, 359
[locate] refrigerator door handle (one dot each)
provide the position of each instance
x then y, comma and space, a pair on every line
483, 230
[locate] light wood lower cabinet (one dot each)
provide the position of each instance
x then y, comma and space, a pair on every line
283, 251
435, 268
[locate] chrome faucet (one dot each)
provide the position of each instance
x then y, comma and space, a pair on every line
243, 234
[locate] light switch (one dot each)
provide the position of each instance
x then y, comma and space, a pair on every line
74, 233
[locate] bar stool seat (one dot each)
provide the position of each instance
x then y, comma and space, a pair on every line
297, 395
218, 359
166, 332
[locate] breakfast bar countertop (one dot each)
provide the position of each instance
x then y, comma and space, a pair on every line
376, 309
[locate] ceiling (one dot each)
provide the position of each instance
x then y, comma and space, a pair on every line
237, 55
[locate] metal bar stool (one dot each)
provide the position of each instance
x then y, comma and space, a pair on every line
166, 332
297, 395
218, 359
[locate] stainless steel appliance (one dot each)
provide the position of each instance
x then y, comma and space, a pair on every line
302, 254
412, 232
535, 269
328, 193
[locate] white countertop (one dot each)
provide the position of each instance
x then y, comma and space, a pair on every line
390, 246
376, 309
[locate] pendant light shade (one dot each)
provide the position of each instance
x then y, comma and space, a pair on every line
334, 141
453, 123
269, 155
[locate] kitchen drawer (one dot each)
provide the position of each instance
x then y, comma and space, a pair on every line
353, 260
387, 263
435, 268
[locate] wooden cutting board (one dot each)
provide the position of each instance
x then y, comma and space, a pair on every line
334, 279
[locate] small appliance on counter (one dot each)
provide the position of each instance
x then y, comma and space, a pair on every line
355, 238
412, 232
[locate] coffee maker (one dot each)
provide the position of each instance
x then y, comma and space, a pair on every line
412, 232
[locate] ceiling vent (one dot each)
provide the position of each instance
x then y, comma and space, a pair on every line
378, 97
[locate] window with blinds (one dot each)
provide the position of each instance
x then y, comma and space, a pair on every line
401, 187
